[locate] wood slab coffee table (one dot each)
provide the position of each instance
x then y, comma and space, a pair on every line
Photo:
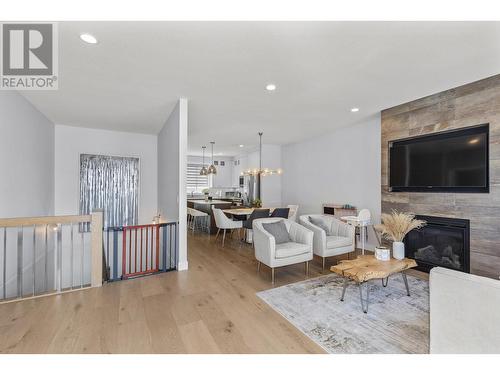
367, 267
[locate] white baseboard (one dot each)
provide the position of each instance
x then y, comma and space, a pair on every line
182, 266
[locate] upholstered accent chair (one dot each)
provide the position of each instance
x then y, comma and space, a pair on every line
331, 236
298, 250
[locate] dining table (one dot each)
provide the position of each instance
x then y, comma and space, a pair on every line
244, 212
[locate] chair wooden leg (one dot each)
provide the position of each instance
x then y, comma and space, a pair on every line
272, 275
307, 268
217, 235
258, 266
324, 263
223, 238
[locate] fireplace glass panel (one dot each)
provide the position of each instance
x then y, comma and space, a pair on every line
437, 245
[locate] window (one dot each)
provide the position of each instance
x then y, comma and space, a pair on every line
196, 183
112, 184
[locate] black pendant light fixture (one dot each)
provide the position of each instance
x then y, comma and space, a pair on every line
211, 168
203, 171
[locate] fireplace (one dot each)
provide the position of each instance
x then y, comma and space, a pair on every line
442, 242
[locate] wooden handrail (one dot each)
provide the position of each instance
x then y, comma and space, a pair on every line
44, 220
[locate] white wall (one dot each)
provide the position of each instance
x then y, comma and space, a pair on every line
172, 164
26, 159
168, 168
224, 176
26, 180
271, 186
340, 167
70, 142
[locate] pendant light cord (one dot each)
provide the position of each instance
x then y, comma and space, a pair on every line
260, 152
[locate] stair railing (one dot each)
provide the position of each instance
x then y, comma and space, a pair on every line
50, 255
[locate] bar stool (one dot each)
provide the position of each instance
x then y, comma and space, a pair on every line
198, 217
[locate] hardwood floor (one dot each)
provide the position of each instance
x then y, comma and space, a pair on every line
211, 308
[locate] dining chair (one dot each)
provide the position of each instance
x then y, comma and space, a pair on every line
224, 223
281, 212
258, 213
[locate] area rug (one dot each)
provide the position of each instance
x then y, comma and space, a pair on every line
395, 322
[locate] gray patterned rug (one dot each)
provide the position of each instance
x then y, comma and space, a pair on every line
395, 322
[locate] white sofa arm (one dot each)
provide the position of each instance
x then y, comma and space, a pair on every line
300, 234
319, 238
264, 243
463, 313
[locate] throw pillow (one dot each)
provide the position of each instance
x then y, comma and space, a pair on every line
278, 231
319, 222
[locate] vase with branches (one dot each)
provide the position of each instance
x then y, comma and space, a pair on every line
395, 227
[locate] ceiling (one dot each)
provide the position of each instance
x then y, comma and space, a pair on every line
131, 79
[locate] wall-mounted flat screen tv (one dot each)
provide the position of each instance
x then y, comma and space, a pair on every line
452, 161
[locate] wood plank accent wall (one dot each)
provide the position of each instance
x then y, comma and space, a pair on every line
472, 104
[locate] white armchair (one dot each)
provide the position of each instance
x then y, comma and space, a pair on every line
339, 240
278, 255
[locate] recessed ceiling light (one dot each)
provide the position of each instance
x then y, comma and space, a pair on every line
242, 145
87, 38
354, 109
271, 87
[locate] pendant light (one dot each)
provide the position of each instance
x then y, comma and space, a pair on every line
261, 171
212, 169
203, 171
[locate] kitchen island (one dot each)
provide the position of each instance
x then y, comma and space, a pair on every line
206, 206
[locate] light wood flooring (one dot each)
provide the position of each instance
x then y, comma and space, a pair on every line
211, 308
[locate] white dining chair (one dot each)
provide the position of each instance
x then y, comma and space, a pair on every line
224, 223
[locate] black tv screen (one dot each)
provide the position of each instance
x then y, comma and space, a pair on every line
454, 161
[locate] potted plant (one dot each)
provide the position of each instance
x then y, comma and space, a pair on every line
205, 193
395, 227
257, 203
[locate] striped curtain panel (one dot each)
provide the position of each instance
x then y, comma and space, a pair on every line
112, 184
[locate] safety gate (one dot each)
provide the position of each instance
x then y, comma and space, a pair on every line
141, 250
127, 256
